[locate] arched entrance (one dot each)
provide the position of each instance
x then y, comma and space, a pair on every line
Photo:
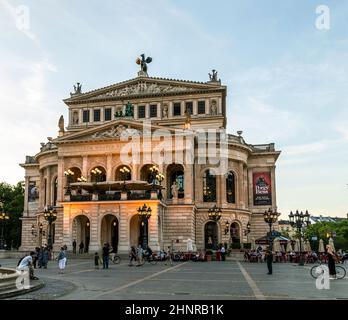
81, 232
109, 231
137, 230
235, 232
211, 239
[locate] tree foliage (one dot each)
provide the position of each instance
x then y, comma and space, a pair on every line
12, 197
325, 230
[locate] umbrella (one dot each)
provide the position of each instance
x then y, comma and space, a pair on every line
276, 246
297, 245
309, 249
321, 246
331, 243
288, 247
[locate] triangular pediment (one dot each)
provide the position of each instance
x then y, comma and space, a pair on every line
144, 86
116, 129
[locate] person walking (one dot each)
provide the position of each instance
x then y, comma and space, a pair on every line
96, 260
106, 256
40, 257
269, 260
169, 257
36, 257
132, 256
74, 244
61, 260
331, 255
223, 253
140, 255
81, 246
45, 257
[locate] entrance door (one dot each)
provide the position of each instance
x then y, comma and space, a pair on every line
211, 235
109, 231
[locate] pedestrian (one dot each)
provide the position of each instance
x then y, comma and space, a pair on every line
96, 260
106, 256
61, 260
26, 265
140, 255
169, 257
40, 257
223, 252
74, 246
132, 256
81, 246
269, 260
36, 257
331, 255
45, 257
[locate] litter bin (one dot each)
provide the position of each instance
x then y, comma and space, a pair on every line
218, 256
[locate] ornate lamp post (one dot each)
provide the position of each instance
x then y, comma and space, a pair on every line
97, 173
299, 220
144, 214
160, 178
124, 171
69, 177
3, 217
214, 213
270, 218
50, 215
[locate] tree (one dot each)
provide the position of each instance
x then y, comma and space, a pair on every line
12, 197
325, 230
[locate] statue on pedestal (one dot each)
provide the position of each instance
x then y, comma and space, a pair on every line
143, 65
175, 190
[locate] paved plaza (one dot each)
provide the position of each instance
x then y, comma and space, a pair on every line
183, 281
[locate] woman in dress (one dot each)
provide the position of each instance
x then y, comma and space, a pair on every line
331, 261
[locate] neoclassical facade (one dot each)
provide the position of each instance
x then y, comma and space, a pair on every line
106, 163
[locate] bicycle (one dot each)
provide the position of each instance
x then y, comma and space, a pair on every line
340, 271
115, 258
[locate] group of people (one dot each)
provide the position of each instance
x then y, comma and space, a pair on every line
82, 247
40, 258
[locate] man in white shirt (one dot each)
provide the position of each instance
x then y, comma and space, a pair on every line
26, 264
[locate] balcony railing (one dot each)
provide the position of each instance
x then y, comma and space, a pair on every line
110, 197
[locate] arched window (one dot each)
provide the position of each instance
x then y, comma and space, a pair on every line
230, 188
175, 173
55, 191
209, 186
235, 232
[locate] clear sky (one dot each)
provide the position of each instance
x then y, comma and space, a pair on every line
287, 79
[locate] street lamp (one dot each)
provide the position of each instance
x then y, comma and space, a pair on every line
270, 218
3, 217
299, 220
50, 215
125, 172
82, 179
227, 227
97, 173
33, 231
247, 230
214, 213
69, 177
144, 214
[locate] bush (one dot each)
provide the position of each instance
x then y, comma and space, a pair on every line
247, 246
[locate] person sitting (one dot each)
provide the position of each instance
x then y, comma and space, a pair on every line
26, 265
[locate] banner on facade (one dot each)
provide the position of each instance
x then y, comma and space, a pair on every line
33, 192
262, 188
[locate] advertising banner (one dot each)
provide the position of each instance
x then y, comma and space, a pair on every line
262, 188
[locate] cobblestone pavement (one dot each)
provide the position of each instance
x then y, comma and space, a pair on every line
189, 281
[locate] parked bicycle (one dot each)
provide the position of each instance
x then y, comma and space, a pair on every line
152, 259
316, 271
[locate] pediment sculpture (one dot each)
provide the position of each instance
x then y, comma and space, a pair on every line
116, 132
144, 87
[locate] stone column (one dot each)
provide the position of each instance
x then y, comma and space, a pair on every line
85, 166
80, 116
109, 176
223, 190
135, 111
219, 109
61, 180
159, 114
195, 107
94, 241
207, 106
188, 183
153, 239
170, 109
26, 194
147, 111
